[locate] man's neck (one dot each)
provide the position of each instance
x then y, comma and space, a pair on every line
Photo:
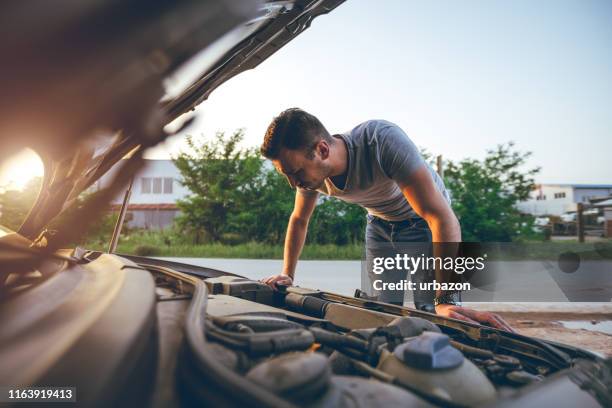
339, 154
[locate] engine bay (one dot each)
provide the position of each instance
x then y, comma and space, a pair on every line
177, 335
318, 349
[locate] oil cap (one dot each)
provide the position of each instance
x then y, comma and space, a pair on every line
429, 351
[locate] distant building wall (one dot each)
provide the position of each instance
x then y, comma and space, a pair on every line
158, 182
155, 191
151, 219
556, 199
149, 216
549, 200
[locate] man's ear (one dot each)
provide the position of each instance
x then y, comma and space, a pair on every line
323, 149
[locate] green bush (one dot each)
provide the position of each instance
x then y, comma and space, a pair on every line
147, 250
485, 192
232, 238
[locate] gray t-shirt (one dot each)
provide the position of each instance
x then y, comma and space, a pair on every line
380, 155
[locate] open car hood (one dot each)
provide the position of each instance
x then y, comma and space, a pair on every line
91, 82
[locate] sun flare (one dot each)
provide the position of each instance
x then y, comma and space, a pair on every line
16, 171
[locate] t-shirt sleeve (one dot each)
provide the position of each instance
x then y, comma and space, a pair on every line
399, 157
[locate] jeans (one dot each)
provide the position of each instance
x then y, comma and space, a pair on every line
387, 239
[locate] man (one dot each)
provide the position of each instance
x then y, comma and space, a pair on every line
377, 166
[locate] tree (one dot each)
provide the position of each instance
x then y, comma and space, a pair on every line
236, 198
223, 180
337, 222
15, 204
271, 210
485, 194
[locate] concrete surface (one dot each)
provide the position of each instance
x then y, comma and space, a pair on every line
585, 325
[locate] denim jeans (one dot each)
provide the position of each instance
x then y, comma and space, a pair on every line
387, 239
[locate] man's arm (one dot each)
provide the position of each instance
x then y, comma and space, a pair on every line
297, 228
428, 202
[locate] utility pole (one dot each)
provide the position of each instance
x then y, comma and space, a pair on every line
580, 221
440, 164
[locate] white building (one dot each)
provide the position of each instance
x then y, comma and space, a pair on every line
155, 191
556, 199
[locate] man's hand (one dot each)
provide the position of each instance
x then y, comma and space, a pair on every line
274, 280
473, 316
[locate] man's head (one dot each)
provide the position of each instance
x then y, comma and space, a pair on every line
299, 145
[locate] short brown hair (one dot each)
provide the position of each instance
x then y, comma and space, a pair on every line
293, 129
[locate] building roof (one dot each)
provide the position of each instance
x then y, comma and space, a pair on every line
576, 185
605, 203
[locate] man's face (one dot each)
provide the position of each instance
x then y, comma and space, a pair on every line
303, 171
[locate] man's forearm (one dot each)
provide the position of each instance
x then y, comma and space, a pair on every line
445, 229
446, 236
294, 242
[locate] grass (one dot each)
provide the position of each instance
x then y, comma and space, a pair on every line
168, 245
158, 244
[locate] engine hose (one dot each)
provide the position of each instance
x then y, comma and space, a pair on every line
309, 305
276, 344
243, 328
501, 359
247, 336
335, 340
265, 343
234, 344
472, 351
263, 325
368, 351
356, 355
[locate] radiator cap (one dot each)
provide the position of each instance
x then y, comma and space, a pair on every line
429, 351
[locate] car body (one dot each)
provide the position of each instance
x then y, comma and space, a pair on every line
568, 217
541, 221
125, 330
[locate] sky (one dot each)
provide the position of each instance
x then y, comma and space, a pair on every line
458, 77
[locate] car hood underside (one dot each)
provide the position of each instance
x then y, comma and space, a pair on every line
88, 86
